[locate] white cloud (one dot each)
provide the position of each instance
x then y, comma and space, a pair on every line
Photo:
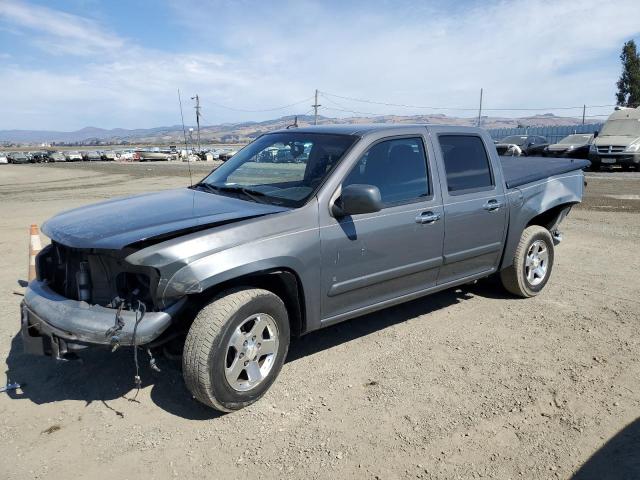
59, 32
532, 53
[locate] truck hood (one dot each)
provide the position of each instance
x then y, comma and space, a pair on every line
618, 140
117, 223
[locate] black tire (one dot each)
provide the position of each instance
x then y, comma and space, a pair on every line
595, 166
206, 347
514, 278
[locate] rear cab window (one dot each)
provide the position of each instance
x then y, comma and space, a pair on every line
466, 163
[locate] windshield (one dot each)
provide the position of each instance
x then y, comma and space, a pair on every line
629, 127
280, 168
576, 139
515, 139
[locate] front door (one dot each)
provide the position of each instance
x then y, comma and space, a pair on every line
371, 258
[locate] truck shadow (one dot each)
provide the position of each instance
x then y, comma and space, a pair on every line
102, 376
618, 459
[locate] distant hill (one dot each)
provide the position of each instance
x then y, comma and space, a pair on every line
87, 133
246, 131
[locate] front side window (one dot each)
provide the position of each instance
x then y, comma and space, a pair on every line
466, 163
397, 167
279, 168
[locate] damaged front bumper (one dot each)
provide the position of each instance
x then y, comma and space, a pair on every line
54, 325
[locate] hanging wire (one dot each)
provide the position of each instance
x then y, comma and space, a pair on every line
283, 107
338, 107
342, 108
475, 109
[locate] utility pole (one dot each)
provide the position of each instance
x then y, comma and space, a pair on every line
584, 110
480, 109
197, 107
315, 109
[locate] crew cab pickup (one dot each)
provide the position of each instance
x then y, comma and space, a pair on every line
365, 217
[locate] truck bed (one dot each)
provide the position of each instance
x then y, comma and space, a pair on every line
520, 170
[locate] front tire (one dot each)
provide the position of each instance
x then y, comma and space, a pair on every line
532, 263
235, 348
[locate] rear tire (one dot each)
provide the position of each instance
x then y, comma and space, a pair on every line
532, 263
240, 327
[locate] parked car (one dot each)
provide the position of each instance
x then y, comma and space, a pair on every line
92, 156
74, 156
522, 145
212, 155
574, 146
375, 216
39, 157
226, 155
154, 154
130, 156
110, 155
4, 159
618, 142
58, 157
19, 157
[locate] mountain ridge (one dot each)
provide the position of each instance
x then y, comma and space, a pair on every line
247, 130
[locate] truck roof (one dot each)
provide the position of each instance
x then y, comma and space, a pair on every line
362, 129
624, 113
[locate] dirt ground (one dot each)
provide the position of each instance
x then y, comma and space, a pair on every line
468, 383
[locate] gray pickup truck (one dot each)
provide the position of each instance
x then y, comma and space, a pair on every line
256, 253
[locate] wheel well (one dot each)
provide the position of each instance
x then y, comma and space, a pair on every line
283, 282
552, 217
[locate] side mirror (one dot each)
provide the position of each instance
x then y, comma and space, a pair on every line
356, 199
595, 134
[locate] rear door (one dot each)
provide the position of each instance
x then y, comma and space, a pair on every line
475, 212
373, 258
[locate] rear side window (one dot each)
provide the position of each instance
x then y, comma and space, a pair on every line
397, 167
466, 163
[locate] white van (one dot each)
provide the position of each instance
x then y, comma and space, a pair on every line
618, 142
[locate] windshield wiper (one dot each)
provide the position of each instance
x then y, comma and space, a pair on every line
206, 186
248, 192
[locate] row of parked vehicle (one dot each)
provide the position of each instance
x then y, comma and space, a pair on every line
138, 155
617, 143
573, 146
47, 156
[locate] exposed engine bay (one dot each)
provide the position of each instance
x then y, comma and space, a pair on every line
97, 277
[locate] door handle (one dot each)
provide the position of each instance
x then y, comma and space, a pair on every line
492, 205
427, 217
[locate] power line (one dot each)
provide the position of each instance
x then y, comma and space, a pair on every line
355, 111
389, 104
324, 94
342, 108
283, 107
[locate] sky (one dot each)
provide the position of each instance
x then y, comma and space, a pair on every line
69, 64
